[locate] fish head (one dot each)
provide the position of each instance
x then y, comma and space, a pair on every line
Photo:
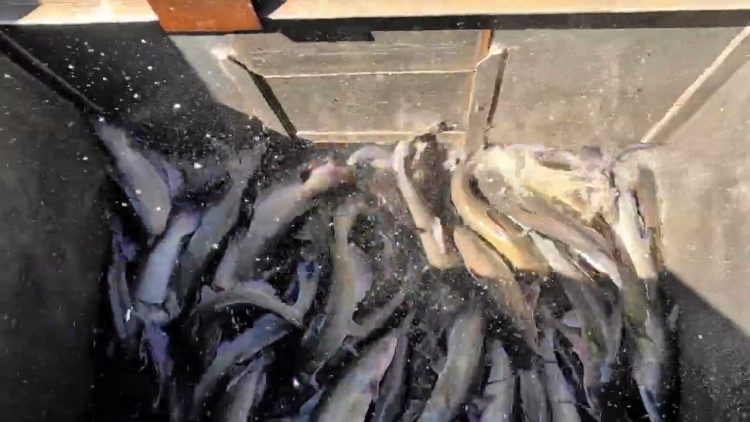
326, 176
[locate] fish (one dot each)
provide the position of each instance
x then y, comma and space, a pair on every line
581, 186
244, 391
533, 213
217, 220
562, 399
534, 405
271, 216
154, 278
121, 305
451, 390
266, 330
344, 294
513, 245
500, 391
352, 395
390, 402
438, 253
261, 294
155, 345
492, 274
142, 183
598, 344
641, 301
373, 155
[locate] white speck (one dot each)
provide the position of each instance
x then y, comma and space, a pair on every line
137, 191
150, 67
215, 246
124, 204
71, 67
700, 336
6, 76
197, 166
101, 119
143, 41
85, 158
176, 106
127, 314
295, 383
136, 96
158, 208
104, 78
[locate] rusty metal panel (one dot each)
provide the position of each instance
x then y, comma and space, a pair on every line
206, 15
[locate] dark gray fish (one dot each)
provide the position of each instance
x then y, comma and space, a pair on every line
157, 272
533, 396
244, 392
217, 220
390, 401
121, 304
155, 345
343, 296
352, 395
562, 399
266, 330
271, 216
500, 391
143, 184
465, 343
263, 295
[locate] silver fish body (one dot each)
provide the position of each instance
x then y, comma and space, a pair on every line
351, 397
244, 392
500, 391
462, 363
561, 398
216, 221
533, 396
140, 180
390, 401
154, 279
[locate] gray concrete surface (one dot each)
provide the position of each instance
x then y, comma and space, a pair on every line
52, 241
597, 86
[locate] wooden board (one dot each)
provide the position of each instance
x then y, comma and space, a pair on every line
337, 9
52, 12
390, 51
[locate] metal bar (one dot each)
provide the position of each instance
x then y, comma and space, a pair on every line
267, 92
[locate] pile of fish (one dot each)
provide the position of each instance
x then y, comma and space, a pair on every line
419, 283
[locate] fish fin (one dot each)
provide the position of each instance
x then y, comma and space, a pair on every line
374, 389
173, 178
571, 319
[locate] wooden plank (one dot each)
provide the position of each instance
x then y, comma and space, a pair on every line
275, 54
206, 15
484, 95
365, 102
735, 55
74, 12
337, 9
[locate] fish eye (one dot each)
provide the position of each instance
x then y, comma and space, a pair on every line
305, 174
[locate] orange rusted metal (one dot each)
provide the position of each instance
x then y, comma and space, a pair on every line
206, 15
